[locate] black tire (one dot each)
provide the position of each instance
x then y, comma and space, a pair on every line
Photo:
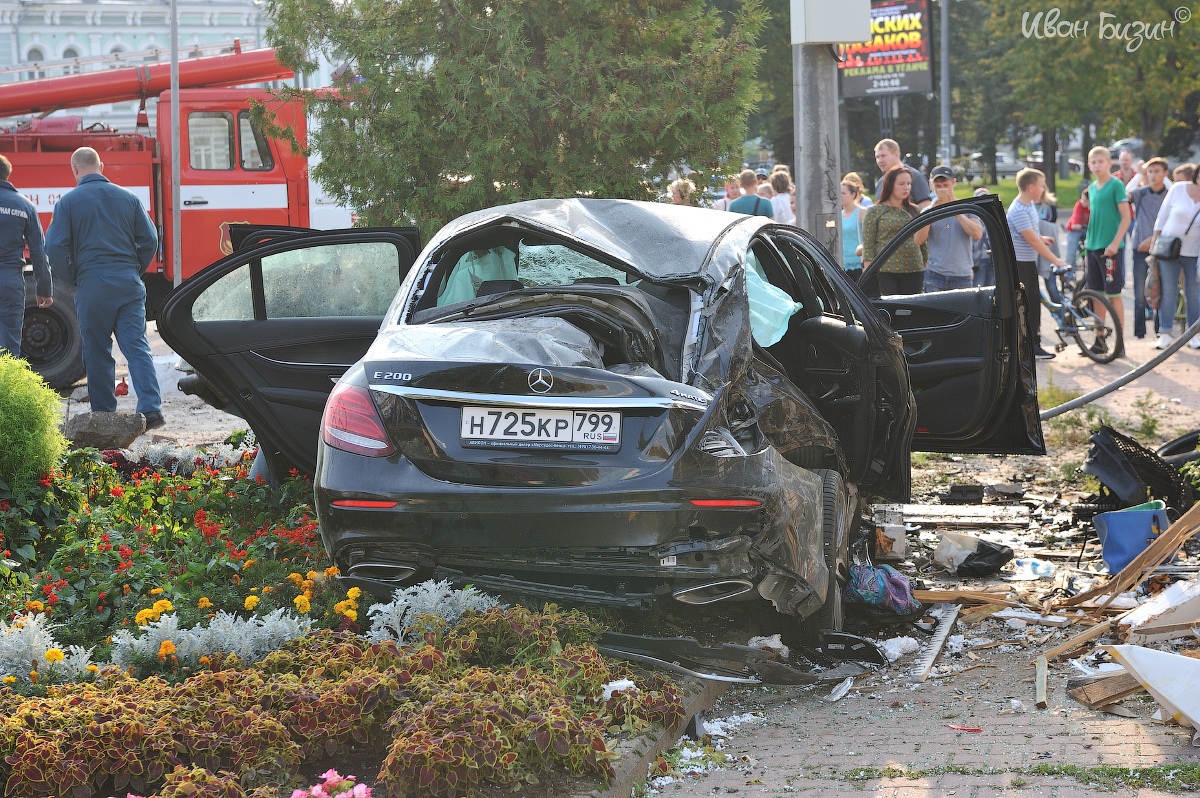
835, 529
1088, 329
1182, 450
50, 338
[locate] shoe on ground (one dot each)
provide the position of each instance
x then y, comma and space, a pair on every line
1195, 342
154, 420
1042, 354
1163, 341
1100, 347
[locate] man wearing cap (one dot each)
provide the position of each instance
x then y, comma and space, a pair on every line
950, 263
887, 155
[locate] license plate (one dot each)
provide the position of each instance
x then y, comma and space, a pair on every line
578, 430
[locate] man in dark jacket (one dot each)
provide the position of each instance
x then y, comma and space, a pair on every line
101, 241
19, 228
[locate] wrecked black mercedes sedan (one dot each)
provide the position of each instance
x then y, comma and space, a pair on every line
603, 402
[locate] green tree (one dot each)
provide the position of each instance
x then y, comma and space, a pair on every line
464, 104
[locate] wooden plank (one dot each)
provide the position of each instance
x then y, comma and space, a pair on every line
963, 515
1107, 691
963, 597
1072, 643
977, 614
1157, 553
1040, 684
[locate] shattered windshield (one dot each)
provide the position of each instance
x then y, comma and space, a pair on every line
531, 266
555, 264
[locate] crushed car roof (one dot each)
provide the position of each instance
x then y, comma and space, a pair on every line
661, 241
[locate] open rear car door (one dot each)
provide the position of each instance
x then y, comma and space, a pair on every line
272, 327
970, 360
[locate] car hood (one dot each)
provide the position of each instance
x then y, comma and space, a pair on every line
661, 241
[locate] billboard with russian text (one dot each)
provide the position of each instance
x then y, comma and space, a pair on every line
896, 59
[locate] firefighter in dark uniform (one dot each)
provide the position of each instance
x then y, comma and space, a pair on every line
19, 228
101, 241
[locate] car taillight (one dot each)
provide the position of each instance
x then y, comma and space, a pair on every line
351, 424
726, 503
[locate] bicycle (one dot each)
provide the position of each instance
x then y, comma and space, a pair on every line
1099, 339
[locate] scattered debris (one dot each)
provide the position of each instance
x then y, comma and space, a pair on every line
956, 515
1040, 683
897, 647
1173, 613
971, 729
773, 644
967, 555
1158, 552
946, 615
1029, 616
1106, 690
1170, 678
839, 692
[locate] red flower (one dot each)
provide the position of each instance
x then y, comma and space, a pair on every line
117, 491
45, 481
52, 599
4, 505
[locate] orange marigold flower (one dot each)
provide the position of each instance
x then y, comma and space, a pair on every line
302, 604
166, 649
205, 661
332, 571
156, 591
204, 603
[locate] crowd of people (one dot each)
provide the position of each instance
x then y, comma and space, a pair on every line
1114, 229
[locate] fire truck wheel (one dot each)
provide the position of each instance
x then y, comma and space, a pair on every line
50, 340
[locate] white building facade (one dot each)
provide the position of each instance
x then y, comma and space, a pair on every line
58, 37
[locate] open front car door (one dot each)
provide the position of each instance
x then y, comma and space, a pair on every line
970, 360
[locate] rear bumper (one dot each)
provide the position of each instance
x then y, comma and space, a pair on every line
626, 548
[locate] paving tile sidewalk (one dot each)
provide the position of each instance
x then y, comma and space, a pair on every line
805, 745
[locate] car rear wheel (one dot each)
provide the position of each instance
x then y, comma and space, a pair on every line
835, 529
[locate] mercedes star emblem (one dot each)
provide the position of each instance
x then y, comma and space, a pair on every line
540, 380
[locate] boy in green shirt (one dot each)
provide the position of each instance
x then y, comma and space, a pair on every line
1106, 234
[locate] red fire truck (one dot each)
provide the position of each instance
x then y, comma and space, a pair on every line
230, 171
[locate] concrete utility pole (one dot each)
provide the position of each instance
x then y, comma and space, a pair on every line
945, 80
176, 155
817, 25
818, 167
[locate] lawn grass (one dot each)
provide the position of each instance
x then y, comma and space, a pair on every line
1006, 189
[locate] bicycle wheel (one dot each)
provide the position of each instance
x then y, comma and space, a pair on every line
1099, 339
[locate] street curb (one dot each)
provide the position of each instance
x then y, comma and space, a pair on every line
635, 755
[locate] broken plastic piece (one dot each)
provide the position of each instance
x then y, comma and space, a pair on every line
1175, 612
972, 729
839, 692
1170, 678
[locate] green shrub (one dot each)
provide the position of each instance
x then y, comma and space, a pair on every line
30, 443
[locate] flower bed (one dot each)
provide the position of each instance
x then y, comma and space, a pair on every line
170, 624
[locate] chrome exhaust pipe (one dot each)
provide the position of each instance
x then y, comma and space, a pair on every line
382, 571
710, 592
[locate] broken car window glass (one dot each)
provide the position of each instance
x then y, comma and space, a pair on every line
555, 264
351, 279
228, 299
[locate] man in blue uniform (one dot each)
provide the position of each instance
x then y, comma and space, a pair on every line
101, 241
19, 228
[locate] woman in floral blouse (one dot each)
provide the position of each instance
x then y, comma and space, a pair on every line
904, 272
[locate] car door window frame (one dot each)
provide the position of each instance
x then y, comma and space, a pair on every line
999, 237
